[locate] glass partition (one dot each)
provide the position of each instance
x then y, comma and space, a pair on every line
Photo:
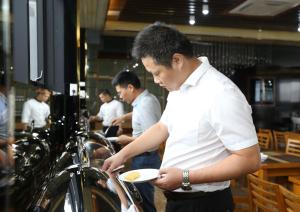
263, 91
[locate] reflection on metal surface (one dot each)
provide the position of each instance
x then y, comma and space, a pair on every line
47, 178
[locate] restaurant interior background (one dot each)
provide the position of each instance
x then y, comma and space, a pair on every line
84, 43
259, 52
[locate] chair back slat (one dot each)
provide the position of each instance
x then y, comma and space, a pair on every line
263, 140
264, 195
291, 200
269, 132
280, 140
293, 147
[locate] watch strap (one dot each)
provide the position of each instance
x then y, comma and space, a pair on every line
186, 185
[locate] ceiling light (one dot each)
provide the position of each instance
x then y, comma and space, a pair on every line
192, 9
205, 9
298, 21
192, 20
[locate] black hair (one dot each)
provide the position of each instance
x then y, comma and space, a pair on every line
124, 78
160, 42
105, 92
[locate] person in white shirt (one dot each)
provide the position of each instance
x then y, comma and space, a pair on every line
145, 113
6, 140
36, 111
109, 110
207, 125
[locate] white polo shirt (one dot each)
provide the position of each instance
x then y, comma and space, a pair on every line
109, 111
37, 111
206, 117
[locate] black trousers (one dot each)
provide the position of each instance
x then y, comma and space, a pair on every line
218, 201
112, 131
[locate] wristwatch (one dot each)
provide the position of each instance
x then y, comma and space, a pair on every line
186, 185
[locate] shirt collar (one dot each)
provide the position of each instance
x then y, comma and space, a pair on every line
197, 74
139, 97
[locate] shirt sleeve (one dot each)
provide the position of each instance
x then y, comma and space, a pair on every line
231, 118
100, 113
26, 113
3, 112
165, 116
120, 109
47, 111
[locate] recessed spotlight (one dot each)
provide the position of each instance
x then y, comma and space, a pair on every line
192, 20
205, 9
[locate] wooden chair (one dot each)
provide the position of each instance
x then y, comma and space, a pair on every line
269, 132
280, 140
263, 140
240, 195
293, 147
291, 200
292, 135
264, 195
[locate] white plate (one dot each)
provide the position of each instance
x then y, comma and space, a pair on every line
112, 139
145, 175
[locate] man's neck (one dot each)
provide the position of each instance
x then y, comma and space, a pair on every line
108, 101
138, 92
189, 68
37, 99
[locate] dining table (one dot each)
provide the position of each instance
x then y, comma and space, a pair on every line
279, 164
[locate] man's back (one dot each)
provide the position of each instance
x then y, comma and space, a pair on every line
146, 112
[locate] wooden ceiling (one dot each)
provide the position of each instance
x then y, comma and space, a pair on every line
179, 12
132, 15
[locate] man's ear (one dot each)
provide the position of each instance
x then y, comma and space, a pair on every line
130, 87
177, 60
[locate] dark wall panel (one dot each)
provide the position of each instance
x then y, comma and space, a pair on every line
20, 41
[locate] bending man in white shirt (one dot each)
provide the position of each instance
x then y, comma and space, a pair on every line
145, 113
207, 124
36, 111
109, 110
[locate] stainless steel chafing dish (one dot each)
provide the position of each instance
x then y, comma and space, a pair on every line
79, 184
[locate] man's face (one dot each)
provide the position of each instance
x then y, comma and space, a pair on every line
44, 95
125, 93
164, 76
104, 98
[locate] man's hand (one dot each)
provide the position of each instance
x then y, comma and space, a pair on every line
170, 179
113, 162
118, 121
92, 118
124, 139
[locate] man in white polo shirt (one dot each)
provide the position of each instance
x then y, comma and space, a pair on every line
109, 110
36, 111
145, 113
207, 124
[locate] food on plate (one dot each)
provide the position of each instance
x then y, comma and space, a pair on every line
132, 176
